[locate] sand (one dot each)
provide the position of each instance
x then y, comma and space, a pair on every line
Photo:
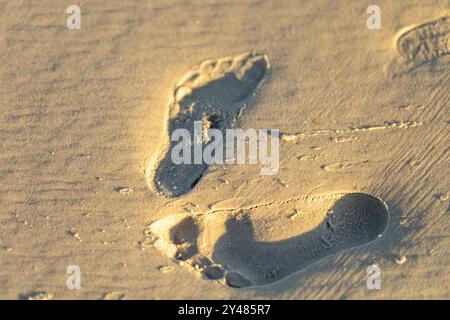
364, 159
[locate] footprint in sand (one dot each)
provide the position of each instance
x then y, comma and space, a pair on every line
214, 93
424, 43
259, 245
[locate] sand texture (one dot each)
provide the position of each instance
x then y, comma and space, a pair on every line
87, 180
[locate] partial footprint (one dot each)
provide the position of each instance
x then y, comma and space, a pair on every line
261, 244
214, 93
424, 43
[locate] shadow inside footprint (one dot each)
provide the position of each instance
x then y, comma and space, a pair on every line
184, 236
213, 95
354, 219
